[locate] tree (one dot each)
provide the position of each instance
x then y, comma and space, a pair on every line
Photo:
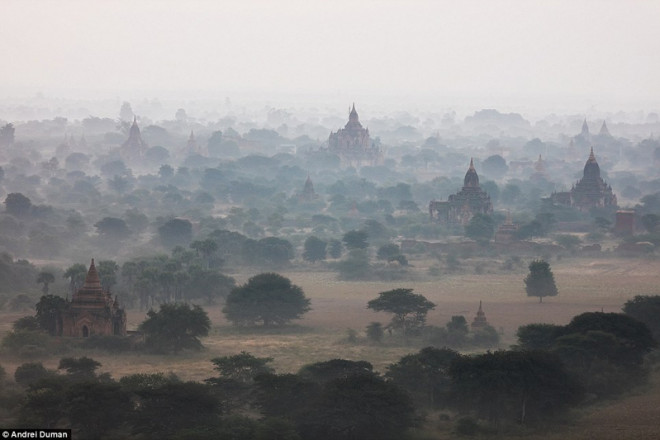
112, 228
425, 375
45, 278
31, 372
175, 232
495, 166
107, 270
315, 249
355, 239
540, 281
518, 386
334, 248
324, 372
651, 222
480, 227
76, 275
206, 248
96, 409
242, 367
83, 368
167, 409
537, 336
646, 309
388, 252
49, 313
7, 134
409, 308
18, 205
175, 327
267, 298
359, 406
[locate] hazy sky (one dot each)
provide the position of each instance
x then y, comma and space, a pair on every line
599, 50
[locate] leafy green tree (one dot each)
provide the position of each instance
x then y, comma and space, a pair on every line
537, 336
175, 232
388, 252
107, 270
355, 239
540, 281
45, 278
83, 368
267, 298
18, 205
30, 373
480, 227
270, 252
636, 336
457, 331
44, 405
97, 409
76, 275
425, 375
651, 222
175, 327
646, 309
334, 248
355, 266
495, 166
315, 249
409, 308
526, 386
361, 406
568, 241
49, 313
27, 323
324, 372
205, 248
242, 367
168, 410
112, 228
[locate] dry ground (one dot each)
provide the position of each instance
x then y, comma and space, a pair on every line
584, 285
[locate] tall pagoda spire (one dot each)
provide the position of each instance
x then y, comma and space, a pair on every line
585, 128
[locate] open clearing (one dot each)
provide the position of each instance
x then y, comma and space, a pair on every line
584, 285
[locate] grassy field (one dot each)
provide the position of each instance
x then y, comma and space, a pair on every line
584, 285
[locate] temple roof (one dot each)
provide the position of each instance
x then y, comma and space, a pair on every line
471, 177
353, 119
92, 281
585, 127
604, 130
591, 168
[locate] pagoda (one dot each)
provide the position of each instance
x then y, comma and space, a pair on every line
480, 320
353, 144
92, 311
589, 192
308, 194
135, 147
462, 206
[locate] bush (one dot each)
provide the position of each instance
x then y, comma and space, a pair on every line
115, 344
29, 342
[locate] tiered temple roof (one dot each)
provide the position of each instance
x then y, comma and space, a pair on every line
134, 147
462, 206
589, 192
353, 144
92, 311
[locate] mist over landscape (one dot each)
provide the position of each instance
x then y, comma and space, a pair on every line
329, 220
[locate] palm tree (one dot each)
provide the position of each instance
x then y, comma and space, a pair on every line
45, 278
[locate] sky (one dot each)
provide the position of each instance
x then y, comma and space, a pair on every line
599, 52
